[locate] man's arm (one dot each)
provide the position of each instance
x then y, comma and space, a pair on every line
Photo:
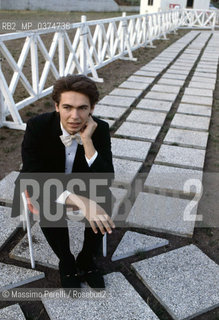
94, 213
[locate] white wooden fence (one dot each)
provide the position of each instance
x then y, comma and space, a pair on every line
204, 19
78, 48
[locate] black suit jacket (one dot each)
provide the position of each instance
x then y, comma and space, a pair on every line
44, 153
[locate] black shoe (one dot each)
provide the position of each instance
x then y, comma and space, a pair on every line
89, 272
95, 279
69, 279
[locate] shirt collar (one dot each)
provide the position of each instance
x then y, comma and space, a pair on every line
64, 132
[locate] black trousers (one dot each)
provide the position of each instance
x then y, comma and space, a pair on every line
58, 239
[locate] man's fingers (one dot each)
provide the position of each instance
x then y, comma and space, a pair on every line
105, 223
93, 226
100, 226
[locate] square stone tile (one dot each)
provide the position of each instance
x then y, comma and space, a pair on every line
12, 276
138, 131
193, 122
163, 214
161, 96
108, 111
186, 138
152, 69
120, 195
163, 88
156, 105
176, 76
13, 312
117, 101
134, 242
8, 225
185, 281
194, 109
163, 179
7, 187
171, 82
201, 85
145, 116
206, 69
43, 253
126, 92
130, 149
145, 80
181, 157
178, 71
205, 80
199, 92
119, 300
125, 171
205, 75
134, 85
110, 122
152, 74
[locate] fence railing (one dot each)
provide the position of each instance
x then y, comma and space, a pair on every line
204, 19
78, 48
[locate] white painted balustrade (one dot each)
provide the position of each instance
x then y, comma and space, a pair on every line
80, 48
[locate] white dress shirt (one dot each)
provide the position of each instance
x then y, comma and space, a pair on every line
70, 153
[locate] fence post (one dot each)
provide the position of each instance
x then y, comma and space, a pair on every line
83, 45
2, 106
61, 48
124, 27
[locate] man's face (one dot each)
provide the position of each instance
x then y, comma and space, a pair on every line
74, 109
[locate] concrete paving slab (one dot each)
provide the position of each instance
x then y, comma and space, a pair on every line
205, 75
186, 138
146, 116
156, 105
108, 111
181, 157
152, 69
42, 252
193, 122
205, 80
202, 85
134, 85
171, 82
7, 187
146, 73
119, 300
120, 195
126, 92
197, 100
185, 281
133, 243
161, 96
130, 149
163, 214
12, 276
163, 179
145, 80
110, 122
13, 312
8, 225
177, 66
168, 89
138, 131
125, 171
199, 92
178, 71
176, 76
208, 70
124, 102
